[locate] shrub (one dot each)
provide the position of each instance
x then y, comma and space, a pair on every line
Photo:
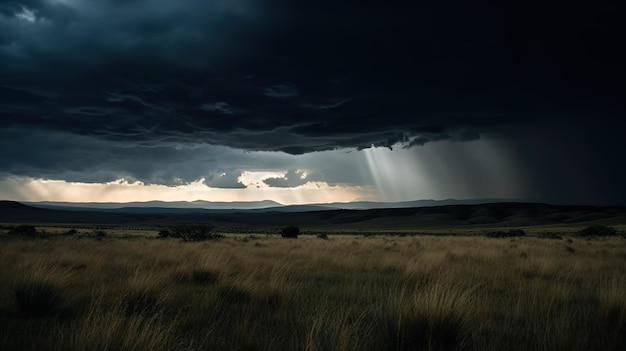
516, 232
164, 233
598, 230
37, 298
322, 236
290, 232
71, 232
194, 232
99, 234
24, 230
549, 235
508, 234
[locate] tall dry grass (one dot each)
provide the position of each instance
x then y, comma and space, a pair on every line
346, 293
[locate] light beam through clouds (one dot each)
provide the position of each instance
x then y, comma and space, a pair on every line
446, 170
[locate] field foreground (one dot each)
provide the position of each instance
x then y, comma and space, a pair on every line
262, 292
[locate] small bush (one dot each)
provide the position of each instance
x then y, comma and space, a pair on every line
508, 234
598, 230
516, 232
164, 233
549, 235
194, 232
322, 236
290, 232
37, 298
99, 234
71, 232
24, 230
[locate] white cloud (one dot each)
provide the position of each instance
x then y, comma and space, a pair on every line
291, 179
226, 181
29, 189
26, 14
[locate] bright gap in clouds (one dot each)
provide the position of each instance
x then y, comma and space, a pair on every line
254, 179
480, 169
28, 189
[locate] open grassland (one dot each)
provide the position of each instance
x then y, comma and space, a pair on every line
262, 292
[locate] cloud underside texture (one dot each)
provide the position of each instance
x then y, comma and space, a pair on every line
99, 85
274, 75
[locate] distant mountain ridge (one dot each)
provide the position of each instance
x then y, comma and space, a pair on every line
198, 204
268, 205
502, 214
368, 205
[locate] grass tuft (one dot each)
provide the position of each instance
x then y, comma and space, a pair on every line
196, 277
233, 295
38, 298
142, 302
349, 293
114, 329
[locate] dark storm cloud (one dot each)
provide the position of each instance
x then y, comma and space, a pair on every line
279, 91
105, 83
290, 179
347, 74
64, 156
226, 181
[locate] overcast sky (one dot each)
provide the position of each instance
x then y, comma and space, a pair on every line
311, 100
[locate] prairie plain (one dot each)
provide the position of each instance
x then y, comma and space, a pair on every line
128, 289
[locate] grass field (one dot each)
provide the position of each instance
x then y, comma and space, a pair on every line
132, 291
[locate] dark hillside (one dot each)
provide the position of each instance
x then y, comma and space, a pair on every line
491, 214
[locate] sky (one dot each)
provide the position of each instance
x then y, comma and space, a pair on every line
311, 101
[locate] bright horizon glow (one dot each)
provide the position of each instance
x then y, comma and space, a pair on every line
34, 190
439, 170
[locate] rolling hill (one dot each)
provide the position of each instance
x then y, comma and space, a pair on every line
504, 214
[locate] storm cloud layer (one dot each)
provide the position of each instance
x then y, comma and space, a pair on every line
299, 77
89, 87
